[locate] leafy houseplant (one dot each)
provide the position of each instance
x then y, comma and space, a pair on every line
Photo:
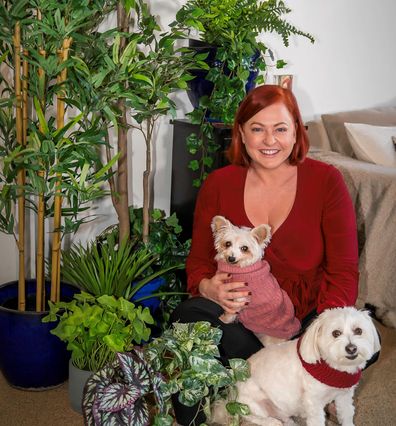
234, 28
49, 156
95, 328
184, 361
131, 71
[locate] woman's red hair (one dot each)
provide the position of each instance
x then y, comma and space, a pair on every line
259, 98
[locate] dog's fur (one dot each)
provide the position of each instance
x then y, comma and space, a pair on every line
279, 387
239, 246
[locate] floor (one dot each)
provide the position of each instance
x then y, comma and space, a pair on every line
375, 398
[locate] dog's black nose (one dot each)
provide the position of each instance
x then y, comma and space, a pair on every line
231, 259
351, 349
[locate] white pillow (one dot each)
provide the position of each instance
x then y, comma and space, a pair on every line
372, 143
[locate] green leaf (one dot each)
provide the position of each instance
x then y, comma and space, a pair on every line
142, 77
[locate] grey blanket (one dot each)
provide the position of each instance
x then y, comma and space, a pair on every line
373, 192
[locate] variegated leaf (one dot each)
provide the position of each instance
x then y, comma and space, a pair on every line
117, 396
136, 414
94, 388
135, 372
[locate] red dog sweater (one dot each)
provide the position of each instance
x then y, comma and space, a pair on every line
270, 310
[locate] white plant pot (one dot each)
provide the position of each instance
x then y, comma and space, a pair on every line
77, 380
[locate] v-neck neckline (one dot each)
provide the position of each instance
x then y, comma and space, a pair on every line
291, 212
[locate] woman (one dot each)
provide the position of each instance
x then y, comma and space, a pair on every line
313, 252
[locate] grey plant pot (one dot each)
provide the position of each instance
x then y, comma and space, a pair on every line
77, 380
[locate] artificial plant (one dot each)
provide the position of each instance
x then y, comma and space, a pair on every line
95, 328
50, 161
236, 28
184, 361
130, 73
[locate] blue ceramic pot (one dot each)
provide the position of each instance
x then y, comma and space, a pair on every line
30, 356
199, 86
151, 287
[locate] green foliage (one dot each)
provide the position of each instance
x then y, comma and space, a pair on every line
234, 26
95, 328
184, 360
71, 152
168, 248
109, 268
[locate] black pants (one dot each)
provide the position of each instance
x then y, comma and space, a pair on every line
236, 342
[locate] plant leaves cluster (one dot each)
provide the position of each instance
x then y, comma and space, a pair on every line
95, 328
234, 27
183, 361
52, 155
169, 250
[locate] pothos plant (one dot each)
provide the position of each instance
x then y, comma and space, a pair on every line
137, 388
95, 328
235, 28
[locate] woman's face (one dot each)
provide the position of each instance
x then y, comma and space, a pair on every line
269, 137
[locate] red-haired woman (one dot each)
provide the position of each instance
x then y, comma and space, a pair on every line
313, 252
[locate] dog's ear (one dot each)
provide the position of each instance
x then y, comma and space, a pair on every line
309, 348
219, 222
262, 234
373, 329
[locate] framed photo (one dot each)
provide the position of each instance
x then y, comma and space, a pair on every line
285, 81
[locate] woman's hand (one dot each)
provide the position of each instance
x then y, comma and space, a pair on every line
224, 293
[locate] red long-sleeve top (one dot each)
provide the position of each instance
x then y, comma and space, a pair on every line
313, 254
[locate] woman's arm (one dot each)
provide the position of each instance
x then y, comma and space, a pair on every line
341, 272
200, 262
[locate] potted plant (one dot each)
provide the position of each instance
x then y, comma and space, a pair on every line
183, 361
121, 270
95, 328
231, 32
130, 73
49, 165
170, 250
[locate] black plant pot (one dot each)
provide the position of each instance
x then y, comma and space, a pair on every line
30, 356
199, 86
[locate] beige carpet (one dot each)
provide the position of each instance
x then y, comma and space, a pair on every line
375, 398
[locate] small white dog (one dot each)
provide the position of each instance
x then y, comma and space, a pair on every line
238, 247
299, 377
240, 251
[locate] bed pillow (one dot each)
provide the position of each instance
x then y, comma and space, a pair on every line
372, 143
334, 125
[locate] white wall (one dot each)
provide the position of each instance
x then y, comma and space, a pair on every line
351, 65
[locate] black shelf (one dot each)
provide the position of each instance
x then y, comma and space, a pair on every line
183, 193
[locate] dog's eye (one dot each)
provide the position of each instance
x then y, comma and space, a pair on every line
336, 333
244, 248
358, 331
228, 244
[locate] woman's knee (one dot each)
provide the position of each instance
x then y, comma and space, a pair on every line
196, 309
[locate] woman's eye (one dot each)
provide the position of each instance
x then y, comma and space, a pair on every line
336, 333
358, 331
228, 244
244, 248
281, 129
256, 129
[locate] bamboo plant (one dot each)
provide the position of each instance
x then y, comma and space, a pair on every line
49, 154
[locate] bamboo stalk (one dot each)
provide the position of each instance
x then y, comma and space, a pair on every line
21, 173
40, 285
56, 238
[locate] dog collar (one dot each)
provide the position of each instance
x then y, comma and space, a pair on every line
322, 372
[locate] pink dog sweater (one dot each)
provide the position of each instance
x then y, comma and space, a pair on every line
270, 310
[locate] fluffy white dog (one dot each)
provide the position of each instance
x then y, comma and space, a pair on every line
299, 377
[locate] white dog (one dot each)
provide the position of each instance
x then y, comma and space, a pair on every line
299, 377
